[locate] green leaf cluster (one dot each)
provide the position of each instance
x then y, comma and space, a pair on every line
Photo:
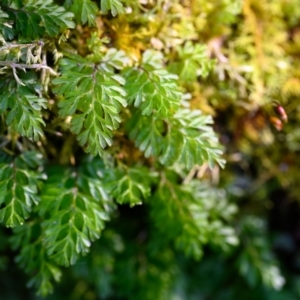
59, 101
93, 97
187, 138
190, 219
33, 258
110, 156
34, 18
192, 62
77, 206
19, 182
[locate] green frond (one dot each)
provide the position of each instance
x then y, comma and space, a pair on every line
130, 186
187, 138
85, 11
114, 6
23, 109
34, 18
94, 98
19, 182
151, 88
190, 217
34, 260
77, 206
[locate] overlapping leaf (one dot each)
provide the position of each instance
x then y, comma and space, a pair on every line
187, 138
93, 96
188, 218
36, 17
19, 180
114, 6
33, 258
3, 21
151, 88
191, 140
77, 207
24, 110
192, 62
147, 133
85, 11
130, 186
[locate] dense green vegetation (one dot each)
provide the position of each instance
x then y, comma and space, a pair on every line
149, 149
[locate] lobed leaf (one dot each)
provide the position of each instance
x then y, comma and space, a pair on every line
115, 6
33, 258
129, 186
151, 88
24, 110
192, 62
189, 219
94, 99
77, 207
187, 138
34, 18
85, 11
19, 181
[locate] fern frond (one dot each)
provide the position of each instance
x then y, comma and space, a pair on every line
33, 258
115, 6
23, 109
93, 96
190, 220
19, 181
187, 138
130, 186
85, 11
77, 206
193, 61
34, 18
151, 88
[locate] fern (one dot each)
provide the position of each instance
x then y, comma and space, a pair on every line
192, 62
24, 110
115, 6
3, 24
33, 258
93, 97
187, 138
116, 87
77, 206
130, 186
85, 11
190, 221
150, 87
190, 140
36, 17
19, 182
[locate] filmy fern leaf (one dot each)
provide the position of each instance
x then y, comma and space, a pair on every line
189, 219
187, 138
34, 18
24, 109
85, 11
146, 133
130, 186
33, 258
3, 22
151, 88
19, 188
93, 97
77, 206
115, 6
193, 61
191, 140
